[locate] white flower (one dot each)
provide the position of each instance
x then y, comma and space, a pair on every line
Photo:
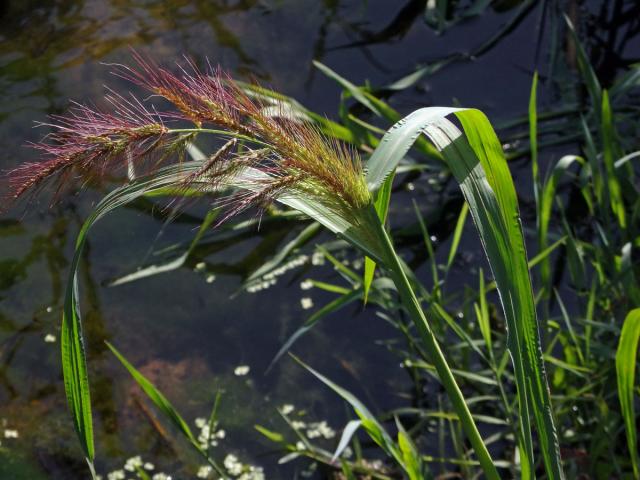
49, 338
241, 370
201, 422
149, 466
300, 446
131, 464
306, 303
325, 430
254, 473
317, 258
233, 466
116, 475
306, 285
220, 434
204, 471
200, 266
161, 476
286, 409
320, 429
298, 424
210, 278
11, 433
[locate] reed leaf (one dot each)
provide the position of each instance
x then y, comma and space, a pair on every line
383, 198
478, 164
626, 373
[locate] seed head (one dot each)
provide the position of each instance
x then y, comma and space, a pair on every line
293, 155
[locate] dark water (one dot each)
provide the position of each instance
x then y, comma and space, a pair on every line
181, 330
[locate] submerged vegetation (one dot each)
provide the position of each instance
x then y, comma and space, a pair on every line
522, 370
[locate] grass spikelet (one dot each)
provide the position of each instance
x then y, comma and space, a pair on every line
295, 156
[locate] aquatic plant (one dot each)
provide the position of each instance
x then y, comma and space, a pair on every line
275, 156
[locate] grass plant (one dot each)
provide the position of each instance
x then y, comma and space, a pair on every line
279, 158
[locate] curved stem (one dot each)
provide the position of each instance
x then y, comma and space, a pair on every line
412, 305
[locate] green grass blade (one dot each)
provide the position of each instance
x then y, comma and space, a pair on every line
397, 142
626, 372
156, 397
609, 156
383, 197
457, 235
545, 206
309, 232
368, 421
586, 69
171, 265
476, 159
347, 433
355, 91
74, 363
533, 135
311, 322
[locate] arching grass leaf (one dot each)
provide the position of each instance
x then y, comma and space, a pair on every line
477, 161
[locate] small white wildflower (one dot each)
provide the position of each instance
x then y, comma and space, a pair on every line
298, 424
200, 266
210, 278
221, 434
8, 433
49, 338
204, 471
306, 303
347, 452
325, 430
320, 429
149, 466
306, 285
241, 370
411, 187
200, 422
49, 309
161, 476
286, 409
317, 258
116, 475
133, 462
254, 473
300, 446
233, 466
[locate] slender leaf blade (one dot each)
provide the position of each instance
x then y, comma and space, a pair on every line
626, 372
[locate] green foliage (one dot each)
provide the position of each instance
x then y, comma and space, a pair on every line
626, 358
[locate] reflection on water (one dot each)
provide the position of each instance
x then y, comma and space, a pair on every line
186, 330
